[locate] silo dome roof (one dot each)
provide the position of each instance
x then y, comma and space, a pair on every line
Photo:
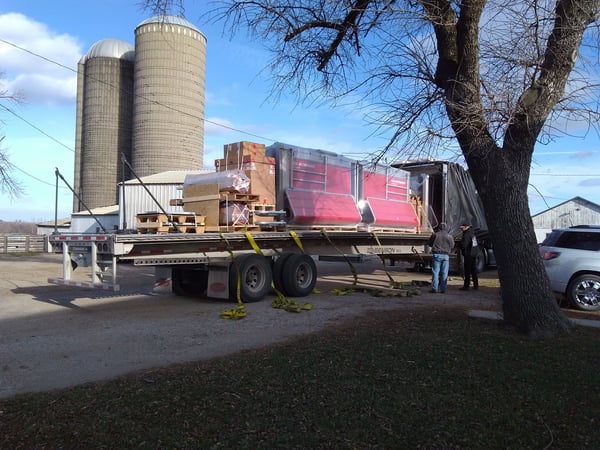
112, 48
172, 20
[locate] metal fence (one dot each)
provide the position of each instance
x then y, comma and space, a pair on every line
22, 243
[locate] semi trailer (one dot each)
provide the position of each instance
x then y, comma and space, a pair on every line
324, 206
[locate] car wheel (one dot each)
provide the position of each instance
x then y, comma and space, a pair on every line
584, 292
255, 277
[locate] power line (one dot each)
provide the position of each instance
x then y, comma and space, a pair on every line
247, 133
37, 128
36, 178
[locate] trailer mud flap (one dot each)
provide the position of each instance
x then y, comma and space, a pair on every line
163, 281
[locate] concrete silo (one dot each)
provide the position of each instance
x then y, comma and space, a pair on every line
168, 124
103, 121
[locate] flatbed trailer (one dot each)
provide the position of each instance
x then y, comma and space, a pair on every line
213, 264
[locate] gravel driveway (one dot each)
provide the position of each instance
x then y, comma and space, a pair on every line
54, 336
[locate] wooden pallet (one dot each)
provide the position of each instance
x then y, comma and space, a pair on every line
261, 207
153, 228
236, 197
160, 223
188, 229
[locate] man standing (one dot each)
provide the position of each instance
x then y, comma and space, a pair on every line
469, 251
441, 244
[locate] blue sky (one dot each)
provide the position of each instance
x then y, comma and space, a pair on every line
40, 131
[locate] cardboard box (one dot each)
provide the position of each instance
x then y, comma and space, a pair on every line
236, 151
204, 200
261, 172
218, 207
243, 163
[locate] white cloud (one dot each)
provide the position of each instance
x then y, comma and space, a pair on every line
217, 126
37, 63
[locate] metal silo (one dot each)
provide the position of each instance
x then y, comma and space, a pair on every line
103, 123
168, 120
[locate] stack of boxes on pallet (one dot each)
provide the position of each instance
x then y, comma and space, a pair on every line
225, 209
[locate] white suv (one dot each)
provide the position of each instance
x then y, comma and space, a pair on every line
572, 260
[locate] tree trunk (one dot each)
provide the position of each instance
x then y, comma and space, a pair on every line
527, 300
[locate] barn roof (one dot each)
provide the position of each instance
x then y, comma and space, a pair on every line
580, 200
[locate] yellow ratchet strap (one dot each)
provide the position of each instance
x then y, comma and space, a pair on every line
253, 243
240, 311
350, 289
296, 239
393, 283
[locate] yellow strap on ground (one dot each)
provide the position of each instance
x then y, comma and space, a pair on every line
235, 314
290, 305
352, 268
240, 311
392, 281
345, 291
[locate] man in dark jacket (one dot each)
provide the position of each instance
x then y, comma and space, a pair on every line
469, 251
441, 244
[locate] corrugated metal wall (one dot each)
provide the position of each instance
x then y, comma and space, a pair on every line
168, 126
87, 224
137, 201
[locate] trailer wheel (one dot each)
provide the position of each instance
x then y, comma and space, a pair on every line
299, 275
255, 277
187, 282
278, 268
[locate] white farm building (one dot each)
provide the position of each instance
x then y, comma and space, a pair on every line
576, 211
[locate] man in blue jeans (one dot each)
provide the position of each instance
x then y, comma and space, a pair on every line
442, 244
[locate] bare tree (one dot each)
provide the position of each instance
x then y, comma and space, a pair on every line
8, 184
496, 77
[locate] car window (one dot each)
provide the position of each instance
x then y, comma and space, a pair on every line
551, 238
580, 241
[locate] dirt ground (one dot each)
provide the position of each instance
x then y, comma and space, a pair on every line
55, 336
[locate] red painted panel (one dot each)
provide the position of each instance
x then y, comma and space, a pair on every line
389, 213
319, 208
386, 183
321, 174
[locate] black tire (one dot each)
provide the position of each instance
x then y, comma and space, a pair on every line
278, 267
189, 282
255, 277
299, 275
584, 292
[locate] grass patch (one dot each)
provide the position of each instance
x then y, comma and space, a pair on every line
407, 379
